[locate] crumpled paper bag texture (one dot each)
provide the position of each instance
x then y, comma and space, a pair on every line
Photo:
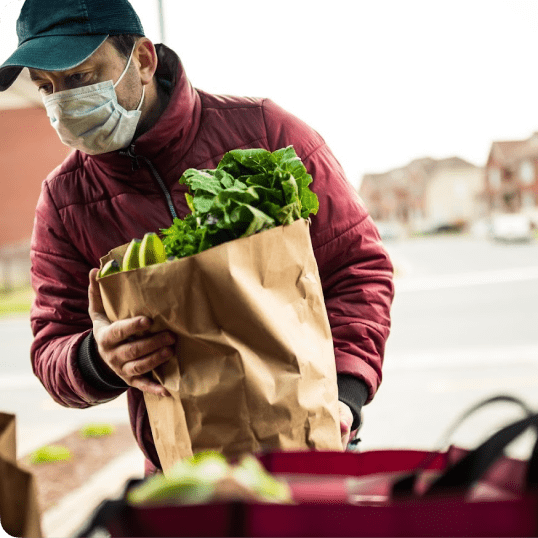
254, 367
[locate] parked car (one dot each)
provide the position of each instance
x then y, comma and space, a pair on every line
390, 230
511, 227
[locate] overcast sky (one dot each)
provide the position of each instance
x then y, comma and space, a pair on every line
383, 81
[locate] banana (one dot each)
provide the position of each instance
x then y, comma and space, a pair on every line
110, 267
151, 250
130, 258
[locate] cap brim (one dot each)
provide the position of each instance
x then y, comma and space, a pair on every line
49, 53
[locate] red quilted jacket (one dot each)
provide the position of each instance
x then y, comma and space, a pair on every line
91, 204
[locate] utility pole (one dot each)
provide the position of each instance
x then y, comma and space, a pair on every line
161, 20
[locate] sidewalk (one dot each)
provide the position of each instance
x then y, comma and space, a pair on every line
69, 516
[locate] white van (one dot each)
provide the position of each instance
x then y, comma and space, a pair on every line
511, 227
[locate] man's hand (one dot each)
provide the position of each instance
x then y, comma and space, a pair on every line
125, 346
346, 420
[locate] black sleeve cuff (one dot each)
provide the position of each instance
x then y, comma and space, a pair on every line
91, 369
353, 392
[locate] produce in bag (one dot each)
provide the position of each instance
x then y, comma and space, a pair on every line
249, 191
208, 477
254, 367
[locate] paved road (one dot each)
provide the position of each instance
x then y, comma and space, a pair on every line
465, 319
464, 327
39, 419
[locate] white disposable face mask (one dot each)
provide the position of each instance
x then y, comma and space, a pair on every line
90, 119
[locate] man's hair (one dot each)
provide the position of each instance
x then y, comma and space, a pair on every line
124, 43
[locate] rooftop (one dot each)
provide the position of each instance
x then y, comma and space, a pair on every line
509, 152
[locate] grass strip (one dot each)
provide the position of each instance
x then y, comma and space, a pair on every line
17, 301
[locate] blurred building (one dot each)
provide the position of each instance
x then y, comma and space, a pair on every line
29, 150
510, 183
425, 195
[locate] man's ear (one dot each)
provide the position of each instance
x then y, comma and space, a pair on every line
146, 57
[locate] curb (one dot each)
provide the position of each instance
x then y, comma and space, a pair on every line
69, 515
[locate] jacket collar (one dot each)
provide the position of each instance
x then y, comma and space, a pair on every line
174, 131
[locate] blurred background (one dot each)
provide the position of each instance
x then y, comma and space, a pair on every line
431, 108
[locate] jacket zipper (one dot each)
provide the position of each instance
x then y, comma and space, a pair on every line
136, 165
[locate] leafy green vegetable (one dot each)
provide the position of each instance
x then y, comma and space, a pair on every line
253, 475
250, 190
191, 480
207, 476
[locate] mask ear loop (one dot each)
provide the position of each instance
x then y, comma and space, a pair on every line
142, 98
126, 67
125, 71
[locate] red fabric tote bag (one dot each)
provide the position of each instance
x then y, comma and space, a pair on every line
406, 493
456, 492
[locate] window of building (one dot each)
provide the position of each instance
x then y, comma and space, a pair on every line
526, 172
528, 199
494, 178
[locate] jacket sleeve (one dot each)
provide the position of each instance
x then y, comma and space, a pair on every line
356, 274
59, 315
355, 269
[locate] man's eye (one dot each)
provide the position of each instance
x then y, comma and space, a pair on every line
45, 89
77, 78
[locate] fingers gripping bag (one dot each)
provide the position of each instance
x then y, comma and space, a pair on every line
254, 367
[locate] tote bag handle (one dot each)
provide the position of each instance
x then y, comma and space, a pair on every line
449, 432
473, 466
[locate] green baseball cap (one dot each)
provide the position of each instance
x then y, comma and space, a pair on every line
55, 35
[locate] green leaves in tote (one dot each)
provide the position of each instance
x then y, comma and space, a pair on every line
249, 191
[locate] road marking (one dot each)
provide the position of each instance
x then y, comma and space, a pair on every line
483, 356
500, 383
458, 280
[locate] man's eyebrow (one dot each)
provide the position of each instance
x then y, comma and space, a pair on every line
34, 76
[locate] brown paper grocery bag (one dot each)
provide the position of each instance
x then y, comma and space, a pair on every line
8, 446
19, 511
254, 366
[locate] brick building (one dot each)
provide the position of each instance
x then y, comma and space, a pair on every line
510, 182
29, 150
424, 195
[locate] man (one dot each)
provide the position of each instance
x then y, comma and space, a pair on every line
136, 123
